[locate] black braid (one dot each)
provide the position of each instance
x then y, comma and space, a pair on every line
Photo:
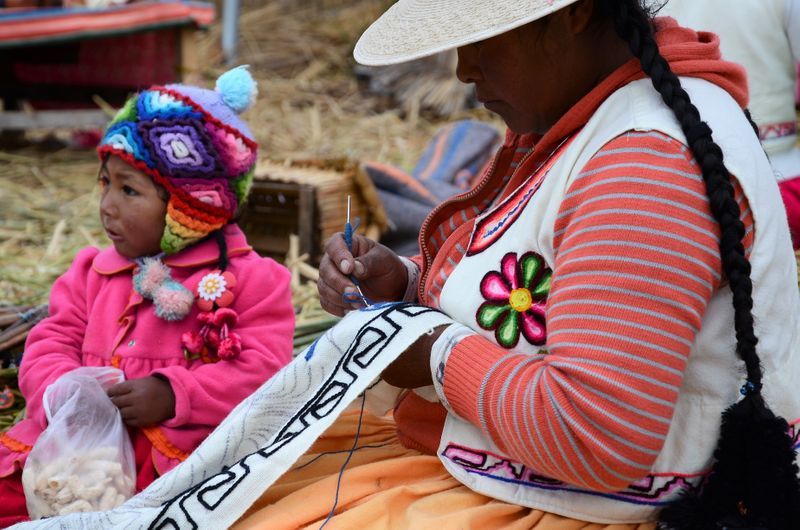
219, 235
754, 480
633, 24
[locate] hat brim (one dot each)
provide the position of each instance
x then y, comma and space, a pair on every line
412, 29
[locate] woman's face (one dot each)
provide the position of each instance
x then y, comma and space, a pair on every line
132, 209
532, 75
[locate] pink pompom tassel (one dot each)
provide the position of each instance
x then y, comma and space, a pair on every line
225, 317
230, 347
192, 342
212, 339
173, 304
152, 274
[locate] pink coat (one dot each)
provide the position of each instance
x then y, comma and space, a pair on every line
97, 319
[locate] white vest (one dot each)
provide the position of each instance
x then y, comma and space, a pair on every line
713, 374
764, 37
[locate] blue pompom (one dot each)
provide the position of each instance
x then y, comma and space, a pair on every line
238, 89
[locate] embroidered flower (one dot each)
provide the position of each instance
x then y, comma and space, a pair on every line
215, 288
516, 296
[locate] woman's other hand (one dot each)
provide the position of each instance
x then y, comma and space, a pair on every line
381, 273
413, 368
144, 401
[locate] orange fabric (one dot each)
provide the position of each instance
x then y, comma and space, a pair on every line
14, 445
419, 423
689, 54
163, 445
387, 486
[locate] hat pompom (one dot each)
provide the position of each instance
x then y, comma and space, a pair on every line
238, 89
173, 301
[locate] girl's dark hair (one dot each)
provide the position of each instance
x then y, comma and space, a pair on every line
754, 480
222, 262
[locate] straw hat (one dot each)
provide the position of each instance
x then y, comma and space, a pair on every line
411, 29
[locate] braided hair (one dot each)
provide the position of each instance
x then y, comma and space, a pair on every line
754, 479
222, 244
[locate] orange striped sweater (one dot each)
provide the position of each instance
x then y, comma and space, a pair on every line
636, 262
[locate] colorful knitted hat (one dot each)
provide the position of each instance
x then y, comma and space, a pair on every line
191, 141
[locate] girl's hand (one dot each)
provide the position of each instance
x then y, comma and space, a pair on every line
144, 401
413, 368
383, 277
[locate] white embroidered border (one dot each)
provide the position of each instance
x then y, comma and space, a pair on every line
267, 432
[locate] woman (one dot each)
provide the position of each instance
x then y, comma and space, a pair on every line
590, 276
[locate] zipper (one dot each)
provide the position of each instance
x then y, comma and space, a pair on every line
461, 198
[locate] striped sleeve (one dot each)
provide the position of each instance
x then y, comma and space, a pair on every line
637, 262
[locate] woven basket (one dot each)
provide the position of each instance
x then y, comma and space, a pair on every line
309, 198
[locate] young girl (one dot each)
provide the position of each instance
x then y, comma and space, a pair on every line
180, 303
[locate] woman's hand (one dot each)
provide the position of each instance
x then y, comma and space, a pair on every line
383, 277
144, 401
413, 368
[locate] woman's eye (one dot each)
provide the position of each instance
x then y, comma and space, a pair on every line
127, 190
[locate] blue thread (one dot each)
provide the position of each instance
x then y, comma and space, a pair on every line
347, 461
747, 388
310, 351
349, 230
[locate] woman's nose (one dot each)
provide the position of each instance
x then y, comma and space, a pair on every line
467, 69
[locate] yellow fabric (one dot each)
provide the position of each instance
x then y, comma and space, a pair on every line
387, 486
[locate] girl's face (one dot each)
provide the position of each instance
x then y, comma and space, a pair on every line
132, 209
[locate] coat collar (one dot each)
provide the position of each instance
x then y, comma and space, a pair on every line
206, 252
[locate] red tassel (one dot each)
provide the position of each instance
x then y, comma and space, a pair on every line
230, 347
192, 342
225, 317
205, 317
212, 339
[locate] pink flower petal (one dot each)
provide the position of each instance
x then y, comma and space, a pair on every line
230, 279
509, 267
204, 305
533, 325
225, 299
494, 288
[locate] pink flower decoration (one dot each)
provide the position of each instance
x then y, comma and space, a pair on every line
215, 288
516, 298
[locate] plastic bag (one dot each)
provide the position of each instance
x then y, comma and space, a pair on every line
83, 461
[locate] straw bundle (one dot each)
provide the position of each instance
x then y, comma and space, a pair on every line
49, 211
429, 83
310, 104
15, 323
285, 37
